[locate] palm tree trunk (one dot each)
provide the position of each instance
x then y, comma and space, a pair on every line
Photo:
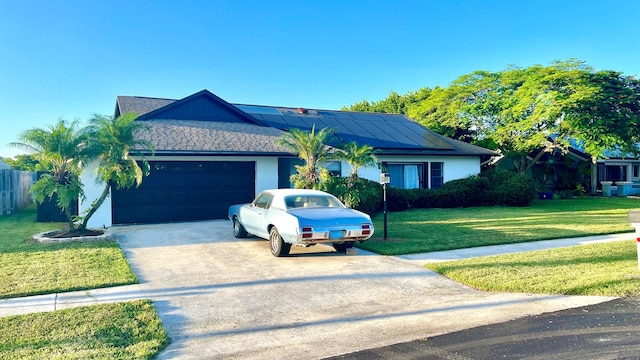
67, 212
95, 206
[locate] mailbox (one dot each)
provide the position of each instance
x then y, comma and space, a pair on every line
385, 178
634, 219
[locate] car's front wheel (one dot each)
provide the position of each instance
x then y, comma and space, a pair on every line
342, 248
238, 229
278, 246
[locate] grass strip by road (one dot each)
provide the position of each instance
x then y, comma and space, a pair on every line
608, 269
425, 230
130, 330
30, 268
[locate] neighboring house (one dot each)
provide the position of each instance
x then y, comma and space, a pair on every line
556, 171
618, 170
560, 171
210, 154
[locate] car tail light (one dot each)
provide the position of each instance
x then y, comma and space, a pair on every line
366, 229
307, 232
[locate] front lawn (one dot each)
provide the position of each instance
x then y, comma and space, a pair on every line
425, 230
29, 268
609, 269
129, 330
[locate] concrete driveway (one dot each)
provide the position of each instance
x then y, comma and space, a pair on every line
221, 297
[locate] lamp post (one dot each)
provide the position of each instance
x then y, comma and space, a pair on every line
384, 180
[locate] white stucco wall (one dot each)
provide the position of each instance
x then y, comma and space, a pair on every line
266, 174
92, 190
266, 178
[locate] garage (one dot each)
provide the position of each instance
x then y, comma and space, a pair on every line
184, 191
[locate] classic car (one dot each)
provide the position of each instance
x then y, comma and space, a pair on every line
300, 217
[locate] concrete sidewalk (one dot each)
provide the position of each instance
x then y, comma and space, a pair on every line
52, 302
440, 256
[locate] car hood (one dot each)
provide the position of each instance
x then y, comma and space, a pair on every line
329, 216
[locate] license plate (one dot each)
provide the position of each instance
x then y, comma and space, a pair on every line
336, 234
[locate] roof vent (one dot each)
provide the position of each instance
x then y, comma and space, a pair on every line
302, 111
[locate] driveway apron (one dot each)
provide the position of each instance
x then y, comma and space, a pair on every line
221, 297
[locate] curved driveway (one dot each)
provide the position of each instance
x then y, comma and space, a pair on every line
221, 297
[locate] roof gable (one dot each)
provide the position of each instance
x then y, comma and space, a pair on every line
201, 106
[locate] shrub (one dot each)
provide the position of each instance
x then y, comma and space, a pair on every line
496, 187
357, 193
500, 187
400, 199
426, 198
508, 188
464, 192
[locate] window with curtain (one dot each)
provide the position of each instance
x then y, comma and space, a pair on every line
411, 177
406, 176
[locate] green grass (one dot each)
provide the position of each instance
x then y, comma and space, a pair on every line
425, 230
29, 268
609, 269
129, 330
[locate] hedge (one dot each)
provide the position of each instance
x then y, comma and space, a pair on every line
496, 187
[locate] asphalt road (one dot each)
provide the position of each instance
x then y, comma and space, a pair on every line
609, 330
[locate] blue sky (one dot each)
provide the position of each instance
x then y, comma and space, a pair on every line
72, 58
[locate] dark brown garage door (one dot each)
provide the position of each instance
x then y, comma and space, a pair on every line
185, 190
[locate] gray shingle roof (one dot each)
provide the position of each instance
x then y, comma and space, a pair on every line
388, 133
140, 105
192, 136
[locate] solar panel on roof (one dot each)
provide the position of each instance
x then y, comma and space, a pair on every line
377, 130
272, 119
252, 109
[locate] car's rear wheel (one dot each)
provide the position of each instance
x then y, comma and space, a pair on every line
342, 248
238, 229
278, 246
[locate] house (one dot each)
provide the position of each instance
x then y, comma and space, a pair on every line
618, 174
554, 171
210, 154
564, 170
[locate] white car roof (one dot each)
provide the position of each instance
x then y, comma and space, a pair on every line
285, 192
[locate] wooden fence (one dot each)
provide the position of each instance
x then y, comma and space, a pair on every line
14, 190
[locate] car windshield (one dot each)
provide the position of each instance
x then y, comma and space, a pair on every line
307, 201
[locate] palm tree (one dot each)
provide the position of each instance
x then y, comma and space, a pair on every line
357, 157
113, 142
61, 150
310, 147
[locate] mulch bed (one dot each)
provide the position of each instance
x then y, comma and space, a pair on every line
73, 233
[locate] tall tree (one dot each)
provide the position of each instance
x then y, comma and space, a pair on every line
522, 110
23, 162
608, 119
61, 150
114, 143
392, 104
310, 147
